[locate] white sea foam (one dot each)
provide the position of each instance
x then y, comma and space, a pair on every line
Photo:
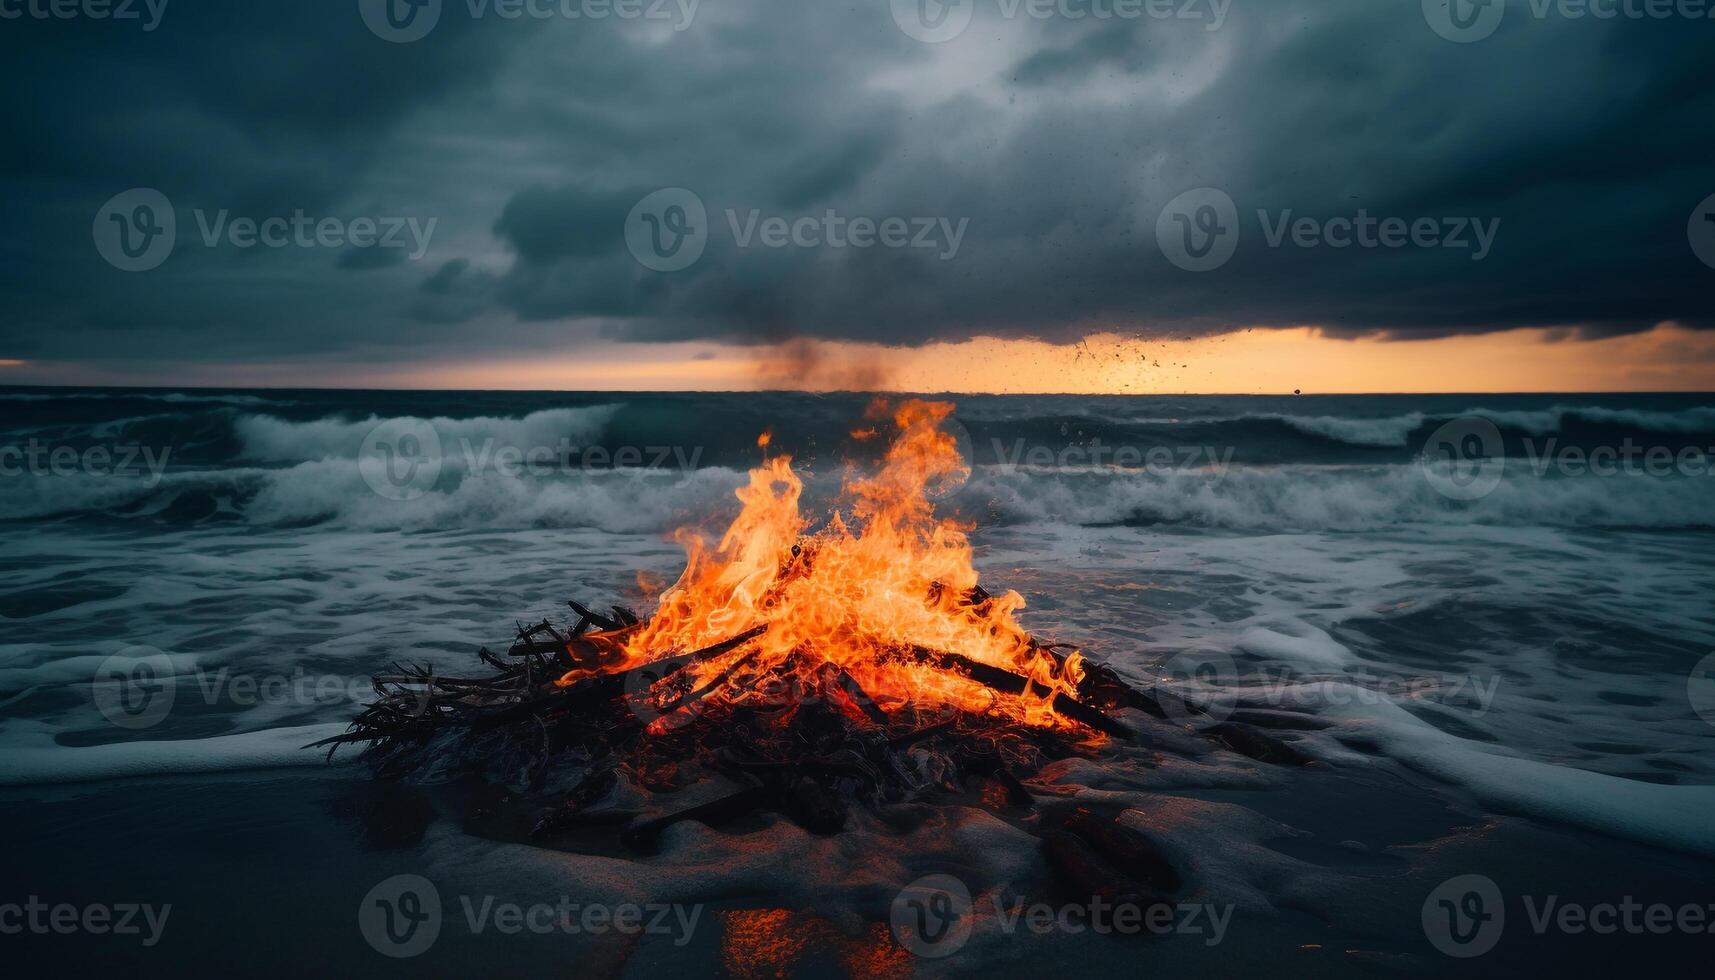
1335, 498
1341, 498
28, 755
628, 500
1678, 817
1396, 430
1299, 643
1391, 430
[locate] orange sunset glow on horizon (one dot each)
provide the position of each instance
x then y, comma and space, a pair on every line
1255, 361
1244, 362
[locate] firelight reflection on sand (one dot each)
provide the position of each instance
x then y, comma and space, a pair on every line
861, 593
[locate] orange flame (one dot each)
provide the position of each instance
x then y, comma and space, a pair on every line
860, 593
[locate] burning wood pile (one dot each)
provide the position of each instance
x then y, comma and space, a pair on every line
802, 735
798, 670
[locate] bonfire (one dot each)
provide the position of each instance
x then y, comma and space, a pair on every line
794, 667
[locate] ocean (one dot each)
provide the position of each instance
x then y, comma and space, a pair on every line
1497, 609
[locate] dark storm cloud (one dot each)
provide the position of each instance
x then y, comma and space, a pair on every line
1058, 141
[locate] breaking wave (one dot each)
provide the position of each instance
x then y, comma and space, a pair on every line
1334, 498
1397, 430
1288, 498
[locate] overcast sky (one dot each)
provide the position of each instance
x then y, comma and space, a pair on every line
1030, 156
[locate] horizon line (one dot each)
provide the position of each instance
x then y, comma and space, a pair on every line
881, 391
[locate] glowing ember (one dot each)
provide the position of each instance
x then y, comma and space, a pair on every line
881, 581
